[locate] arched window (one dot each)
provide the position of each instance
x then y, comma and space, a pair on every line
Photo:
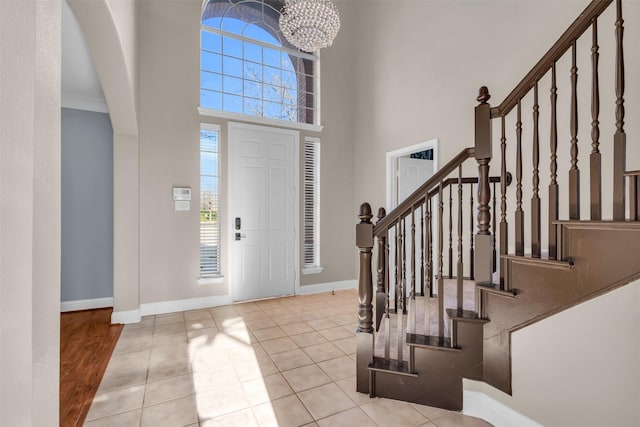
247, 66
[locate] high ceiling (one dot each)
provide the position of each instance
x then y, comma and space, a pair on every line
81, 88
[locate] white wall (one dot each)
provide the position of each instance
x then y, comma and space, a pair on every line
418, 65
29, 212
169, 40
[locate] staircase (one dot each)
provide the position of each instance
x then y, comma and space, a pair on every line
440, 313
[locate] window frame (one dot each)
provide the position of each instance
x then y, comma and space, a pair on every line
312, 90
216, 276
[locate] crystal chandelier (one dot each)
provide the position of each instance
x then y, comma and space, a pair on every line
309, 24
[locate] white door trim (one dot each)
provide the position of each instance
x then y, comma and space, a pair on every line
233, 201
392, 165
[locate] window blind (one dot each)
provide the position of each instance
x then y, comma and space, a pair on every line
311, 250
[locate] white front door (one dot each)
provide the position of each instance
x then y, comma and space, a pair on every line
263, 210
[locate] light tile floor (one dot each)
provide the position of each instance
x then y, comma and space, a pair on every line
280, 362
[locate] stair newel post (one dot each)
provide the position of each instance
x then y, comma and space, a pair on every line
364, 336
620, 137
483, 237
381, 292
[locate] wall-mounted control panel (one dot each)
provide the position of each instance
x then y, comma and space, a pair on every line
181, 198
181, 193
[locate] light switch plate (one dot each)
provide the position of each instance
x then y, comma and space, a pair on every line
181, 205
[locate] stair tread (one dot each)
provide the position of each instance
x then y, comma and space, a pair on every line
495, 289
632, 173
465, 316
392, 366
542, 261
626, 224
430, 341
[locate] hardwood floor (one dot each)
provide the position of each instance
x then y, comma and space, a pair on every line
87, 339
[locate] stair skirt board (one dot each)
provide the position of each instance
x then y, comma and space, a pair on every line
480, 405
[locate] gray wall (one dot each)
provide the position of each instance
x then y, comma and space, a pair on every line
87, 205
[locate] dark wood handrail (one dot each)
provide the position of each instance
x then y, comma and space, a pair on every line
422, 191
579, 26
469, 180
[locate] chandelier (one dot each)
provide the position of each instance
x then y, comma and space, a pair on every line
309, 24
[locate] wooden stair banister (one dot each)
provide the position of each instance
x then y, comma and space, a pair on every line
406, 205
473, 341
564, 43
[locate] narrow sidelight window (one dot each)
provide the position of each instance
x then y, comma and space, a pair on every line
209, 201
311, 206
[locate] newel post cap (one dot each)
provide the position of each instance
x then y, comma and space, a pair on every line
483, 95
365, 214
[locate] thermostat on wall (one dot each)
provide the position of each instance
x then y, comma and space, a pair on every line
181, 193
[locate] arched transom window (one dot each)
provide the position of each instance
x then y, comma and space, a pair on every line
247, 66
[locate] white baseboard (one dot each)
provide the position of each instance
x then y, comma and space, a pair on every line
326, 287
152, 308
478, 404
127, 316
149, 309
85, 304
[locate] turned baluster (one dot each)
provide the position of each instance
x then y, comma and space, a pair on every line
471, 229
440, 263
519, 211
401, 300
574, 171
620, 137
403, 280
382, 272
387, 320
412, 296
493, 226
450, 259
553, 185
536, 250
459, 273
504, 226
595, 176
422, 249
430, 249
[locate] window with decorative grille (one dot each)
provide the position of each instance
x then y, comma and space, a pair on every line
209, 201
248, 67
